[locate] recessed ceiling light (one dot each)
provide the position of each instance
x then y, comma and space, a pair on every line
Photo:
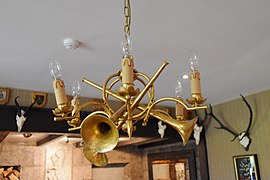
185, 76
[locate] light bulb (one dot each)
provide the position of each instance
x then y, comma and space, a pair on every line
76, 89
178, 89
55, 69
193, 60
126, 46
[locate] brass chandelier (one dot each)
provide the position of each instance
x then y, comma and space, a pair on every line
100, 129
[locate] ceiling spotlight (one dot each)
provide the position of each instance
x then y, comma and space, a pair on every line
185, 76
71, 44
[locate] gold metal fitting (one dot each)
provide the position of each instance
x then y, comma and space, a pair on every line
76, 122
196, 100
62, 109
128, 89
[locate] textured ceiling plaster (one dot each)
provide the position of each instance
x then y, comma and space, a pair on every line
230, 37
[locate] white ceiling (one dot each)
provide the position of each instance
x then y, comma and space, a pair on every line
232, 39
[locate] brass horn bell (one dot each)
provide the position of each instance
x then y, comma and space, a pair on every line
98, 159
99, 133
184, 128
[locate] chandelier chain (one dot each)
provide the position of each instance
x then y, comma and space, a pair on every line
127, 13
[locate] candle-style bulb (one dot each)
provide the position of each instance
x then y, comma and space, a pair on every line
55, 69
76, 89
179, 108
126, 46
193, 60
178, 89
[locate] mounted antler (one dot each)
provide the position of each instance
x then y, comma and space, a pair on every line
243, 137
199, 126
21, 114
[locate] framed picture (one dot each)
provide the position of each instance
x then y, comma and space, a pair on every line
41, 99
246, 167
4, 95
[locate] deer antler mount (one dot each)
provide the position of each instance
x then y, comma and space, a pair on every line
243, 137
22, 114
199, 126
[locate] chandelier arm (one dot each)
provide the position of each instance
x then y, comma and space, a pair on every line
92, 103
112, 84
106, 82
141, 115
104, 94
93, 113
64, 118
128, 122
118, 113
75, 115
149, 84
143, 75
112, 93
152, 92
74, 128
178, 101
170, 99
100, 112
163, 112
122, 121
140, 96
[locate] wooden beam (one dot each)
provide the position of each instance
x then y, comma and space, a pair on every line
42, 120
138, 141
38, 120
3, 135
49, 139
158, 143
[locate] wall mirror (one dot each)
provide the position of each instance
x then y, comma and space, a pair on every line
170, 169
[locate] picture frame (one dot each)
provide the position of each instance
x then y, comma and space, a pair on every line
4, 95
246, 167
41, 99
